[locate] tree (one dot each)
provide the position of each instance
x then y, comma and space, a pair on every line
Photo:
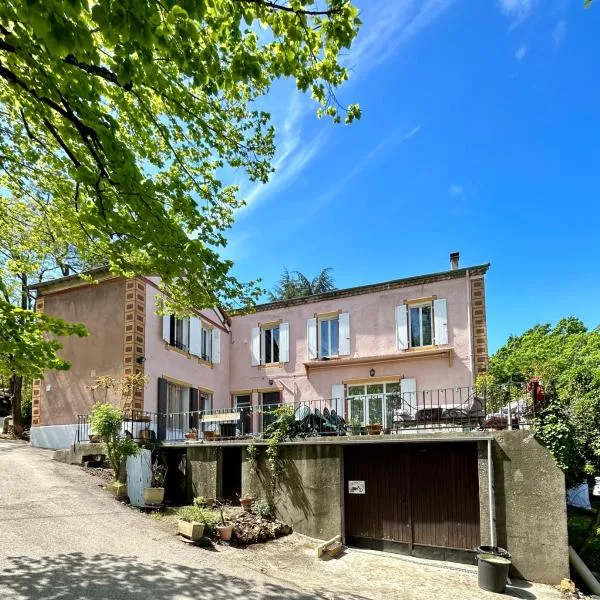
566, 358
121, 119
296, 285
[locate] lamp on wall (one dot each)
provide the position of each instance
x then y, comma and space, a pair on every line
140, 360
270, 382
372, 372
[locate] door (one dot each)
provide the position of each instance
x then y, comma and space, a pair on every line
270, 401
231, 474
243, 406
415, 495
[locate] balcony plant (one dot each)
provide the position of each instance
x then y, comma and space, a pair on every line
155, 494
192, 434
374, 428
355, 426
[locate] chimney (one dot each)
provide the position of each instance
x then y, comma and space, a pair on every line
454, 256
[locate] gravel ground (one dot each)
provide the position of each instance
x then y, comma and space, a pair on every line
62, 537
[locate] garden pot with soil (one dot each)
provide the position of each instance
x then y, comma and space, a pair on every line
246, 502
192, 530
374, 429
225, 531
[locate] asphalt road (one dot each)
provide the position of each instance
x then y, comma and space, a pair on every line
62, 537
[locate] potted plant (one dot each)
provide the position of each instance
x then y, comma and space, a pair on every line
155, 494
192, 434
246, 502
355, 426
191, 523
209, 436
225, 529
146, 434
374, 428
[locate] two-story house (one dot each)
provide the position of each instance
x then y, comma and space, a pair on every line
413, 338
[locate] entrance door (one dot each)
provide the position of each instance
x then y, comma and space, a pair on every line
415, 496
270, 401
231, 474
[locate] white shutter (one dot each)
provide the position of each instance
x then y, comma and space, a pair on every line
255, 346
195, 336
344, 331
401, 327
337, 398
216, 346
408, 391
440, 322
311, 338
284, 342
166, 332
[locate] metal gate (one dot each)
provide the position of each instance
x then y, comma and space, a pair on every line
416, 496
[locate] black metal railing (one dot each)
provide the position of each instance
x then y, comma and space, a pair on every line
450, 409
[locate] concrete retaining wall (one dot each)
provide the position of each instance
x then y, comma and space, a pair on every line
203, 472
308, 495
531, 511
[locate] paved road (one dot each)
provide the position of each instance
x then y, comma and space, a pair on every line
63, 538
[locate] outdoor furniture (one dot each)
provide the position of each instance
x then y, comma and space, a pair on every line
429, 415
471, 410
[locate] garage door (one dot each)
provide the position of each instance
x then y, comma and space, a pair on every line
414, 495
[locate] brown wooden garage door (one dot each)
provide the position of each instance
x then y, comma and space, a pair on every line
416, 495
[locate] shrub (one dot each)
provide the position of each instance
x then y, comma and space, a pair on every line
105, 421
200, 515
262, 508
199, 501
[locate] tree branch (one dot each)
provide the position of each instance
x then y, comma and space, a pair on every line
275, 6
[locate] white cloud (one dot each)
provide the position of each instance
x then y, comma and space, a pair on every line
517, 10
455, 190
559, 32
521, 52
387, 25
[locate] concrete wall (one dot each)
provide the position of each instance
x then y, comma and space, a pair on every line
531, 512
203, 472
101, 308
165, 361
372, 333
308, 495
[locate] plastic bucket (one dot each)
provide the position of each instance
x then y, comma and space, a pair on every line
492, 572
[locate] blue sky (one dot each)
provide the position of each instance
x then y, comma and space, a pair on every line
480, 133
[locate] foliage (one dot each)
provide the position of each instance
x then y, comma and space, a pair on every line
105, 421
159, 474
252, 455
280, 430
566, 359
125, 387
197, 514
262, 508
199, 501
297, 285
118, 122
584, 535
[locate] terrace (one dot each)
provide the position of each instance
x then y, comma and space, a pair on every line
375, 411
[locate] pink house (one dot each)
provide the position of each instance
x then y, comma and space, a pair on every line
386, 353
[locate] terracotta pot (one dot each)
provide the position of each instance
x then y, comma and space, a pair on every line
94, 439
209, 436
246, 503
374, 429
193, 530
154, 495
145, 434
225, 531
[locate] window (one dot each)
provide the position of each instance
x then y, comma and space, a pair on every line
269, 351
180, 333
379, 402
178, 399
329, 336
205, 343
420, 324
243, 405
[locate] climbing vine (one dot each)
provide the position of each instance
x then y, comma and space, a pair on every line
280, 430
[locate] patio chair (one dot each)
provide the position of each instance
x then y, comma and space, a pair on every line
471, 410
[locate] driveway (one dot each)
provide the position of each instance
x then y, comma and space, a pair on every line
62, 537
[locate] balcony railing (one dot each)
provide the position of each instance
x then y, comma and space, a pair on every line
450, 409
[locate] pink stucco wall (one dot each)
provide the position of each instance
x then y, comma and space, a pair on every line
163, 362
372, 333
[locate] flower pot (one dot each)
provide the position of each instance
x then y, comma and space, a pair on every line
94, 439
492, 572
209, 436
118, 490
192, 530
355, 429
154, 495
225, 531
191, 435
145, 435
374, 429
246, 503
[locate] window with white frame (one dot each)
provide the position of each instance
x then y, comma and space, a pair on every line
329, 336
178, 399
205, 343
269, 345
180, 333
420, 323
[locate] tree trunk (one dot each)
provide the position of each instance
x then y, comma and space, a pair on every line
15, 389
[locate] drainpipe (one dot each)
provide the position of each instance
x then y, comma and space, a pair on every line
491, 498
468, 280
